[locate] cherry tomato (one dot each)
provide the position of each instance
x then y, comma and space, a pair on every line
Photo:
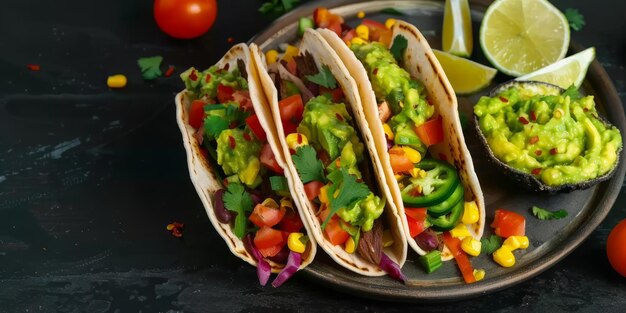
616, 248
185, 19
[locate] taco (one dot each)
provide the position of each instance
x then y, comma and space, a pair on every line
312, 96
238, 169
412, 114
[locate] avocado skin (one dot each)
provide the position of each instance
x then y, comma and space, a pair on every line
529, 181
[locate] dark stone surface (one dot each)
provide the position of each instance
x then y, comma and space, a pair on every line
89, 177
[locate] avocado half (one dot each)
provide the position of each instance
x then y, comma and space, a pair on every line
527, 180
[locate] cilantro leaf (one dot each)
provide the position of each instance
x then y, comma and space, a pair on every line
391, 11
491, 244
277, 7
309, 167
150, 67
397, 48
575, 19
349, 191
544, 214
214, 125
572, 92
324, 78
238, 200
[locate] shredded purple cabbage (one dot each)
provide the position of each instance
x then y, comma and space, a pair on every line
293, 264
263, 269
391, 268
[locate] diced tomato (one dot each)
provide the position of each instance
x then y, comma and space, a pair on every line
267, 237
292, 67
255, 126
243, 98
265, 216
507, 223
400, 162
377, 31
349, 35
335, 27
322, 18
268, 160
289, 127
196, 113
334, 233
431, 132
224, 93
323, 213
418, 214
291, 222
415, 227
291, 109
312, 189
336, 94
270, 251
462, 261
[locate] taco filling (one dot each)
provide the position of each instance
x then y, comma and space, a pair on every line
256, 200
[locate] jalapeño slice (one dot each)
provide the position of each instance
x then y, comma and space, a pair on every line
446, 205
447, 222
439, 183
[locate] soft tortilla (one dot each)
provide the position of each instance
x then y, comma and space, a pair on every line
324, 55
206, 181
422, 64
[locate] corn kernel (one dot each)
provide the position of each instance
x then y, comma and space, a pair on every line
516, 242
460, 231
387, 238
361, 14
479, 274
323, 196
363, 32
270, 203
357, 41
295, 244
413, 155
117, 81
350, 245
423, 174
286, 203
290, 52
271, 56
504, 257
470, 213
471, 246
398, 176
388, 131
296, 140
389, 22
415, 172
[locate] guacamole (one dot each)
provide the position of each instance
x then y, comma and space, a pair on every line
558, 138
204, 84
239, 156
363, 213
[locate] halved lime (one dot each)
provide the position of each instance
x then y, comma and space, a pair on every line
522, 36
564, 73
457, 28
464, 75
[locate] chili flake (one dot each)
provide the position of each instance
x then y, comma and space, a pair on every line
533, 140
533, 116
503, 99
536, 171
232, 142
33, 67
523, 120
170, 71
176, 228
338, 116
230, 40
247, 137
193, 75
538, 152
554, 151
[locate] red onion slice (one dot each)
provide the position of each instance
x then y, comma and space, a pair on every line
263, 269
293, 264
391, 268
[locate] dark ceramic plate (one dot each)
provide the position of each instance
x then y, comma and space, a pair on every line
550, 241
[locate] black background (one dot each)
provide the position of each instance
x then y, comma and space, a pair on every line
90, 177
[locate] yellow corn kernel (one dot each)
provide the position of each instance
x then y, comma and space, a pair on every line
389, 22
388, 131
398, 176
516, 242
460, 231
413, 155
387, 238
323, 196
290, 52
504, 257
270, 203
363, 32
415, 172
470, 213
471, 246
357, 41
295, 244
350, 246
286, 203
479, 274
271, 56
296, 140
361, 14
117, 81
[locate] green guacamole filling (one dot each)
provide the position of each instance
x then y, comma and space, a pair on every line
558, 138
204, 83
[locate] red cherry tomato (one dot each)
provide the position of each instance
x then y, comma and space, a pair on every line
185, 19
616, 248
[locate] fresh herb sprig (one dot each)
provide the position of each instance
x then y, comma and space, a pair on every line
544, 214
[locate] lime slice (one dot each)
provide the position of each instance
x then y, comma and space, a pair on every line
522, 36
457, 28
464, 75
564, 73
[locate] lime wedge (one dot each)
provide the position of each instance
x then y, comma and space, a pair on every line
564, 73
464, 75
457, 28
522, 36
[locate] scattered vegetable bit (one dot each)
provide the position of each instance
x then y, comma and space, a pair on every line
544, 214
431, 261
361, 14
507, 223
479, 274
116, 81
397, 48
293, 264
575, 19
490, 244
504, 256
277, 7
471, 246
391, 268
176, 228
303, 24
150, 67
33, 67
230, 39
170, 71
323, 78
